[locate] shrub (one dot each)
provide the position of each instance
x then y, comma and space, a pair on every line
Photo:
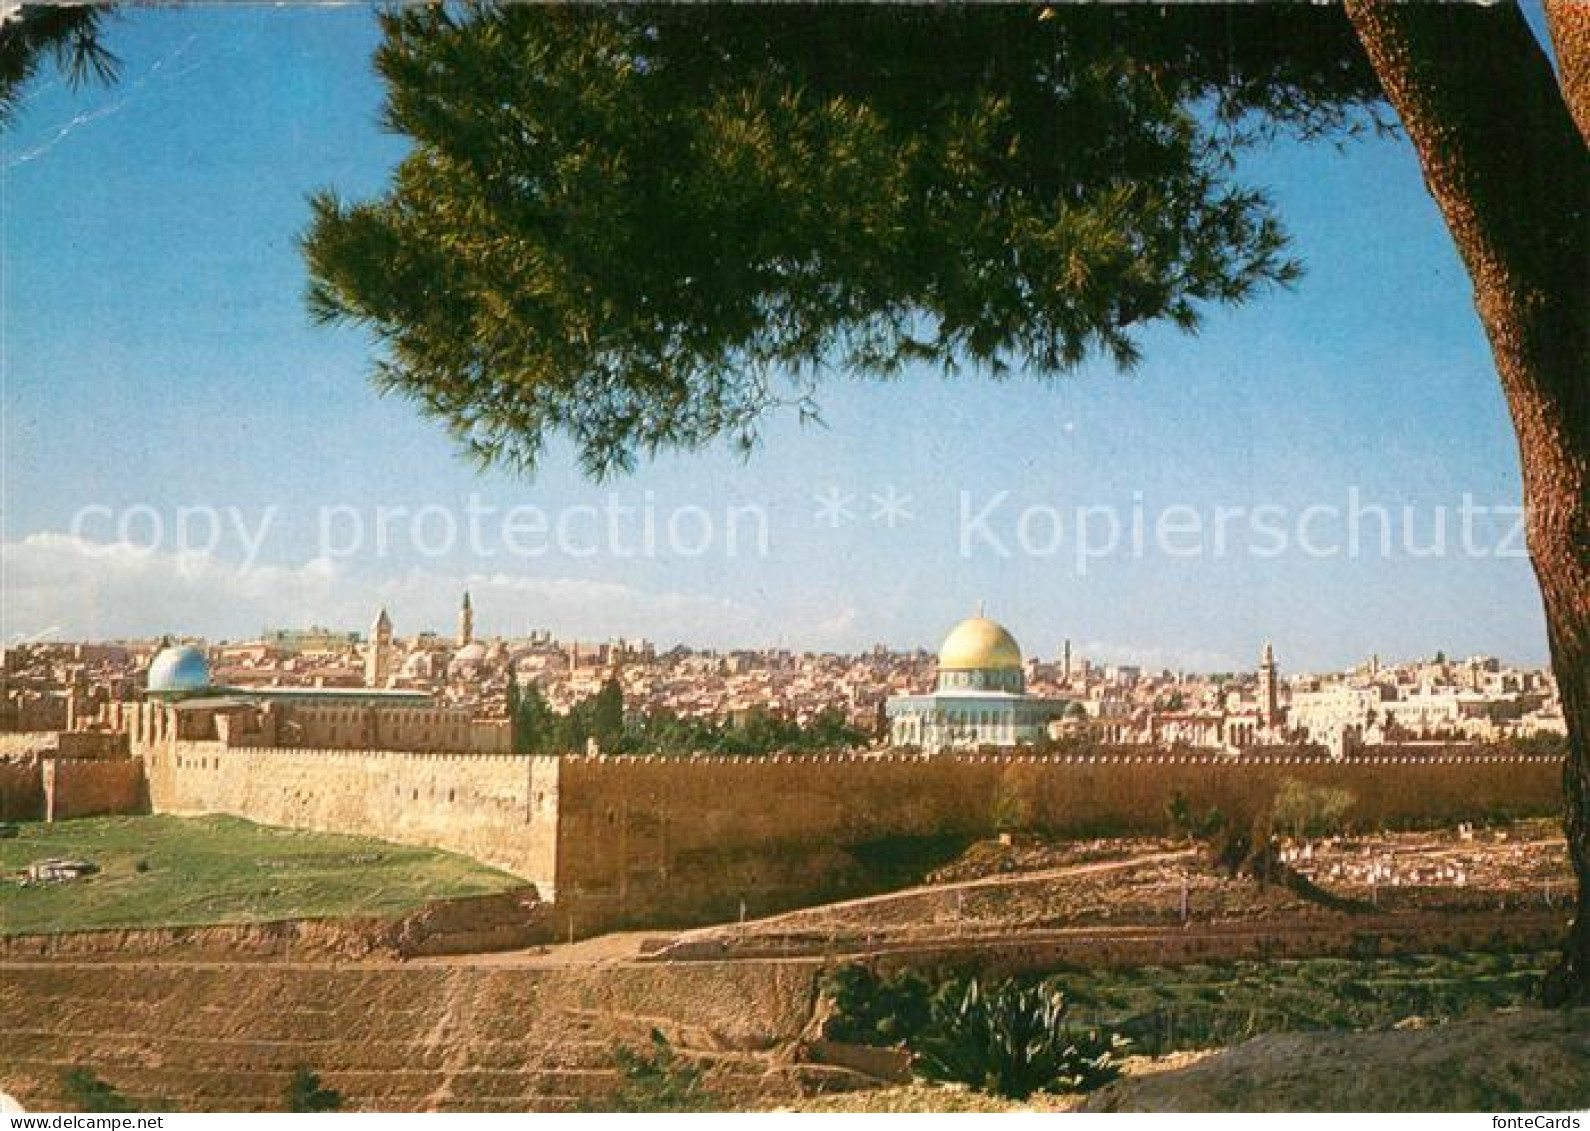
1188, 825
305, 1093
1178, 815
1011, 1040
659, 1080
88, 1093
870, 1009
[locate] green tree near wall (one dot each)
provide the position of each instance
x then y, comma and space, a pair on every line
1301, 810
607, 714
533, 722
539, 730
513, 698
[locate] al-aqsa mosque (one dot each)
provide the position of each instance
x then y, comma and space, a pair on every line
981, 698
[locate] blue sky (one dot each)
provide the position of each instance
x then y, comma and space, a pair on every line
157, 355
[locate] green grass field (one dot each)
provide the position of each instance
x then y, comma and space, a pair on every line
188, 871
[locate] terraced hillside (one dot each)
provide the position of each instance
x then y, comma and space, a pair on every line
450, 1036
1152, 941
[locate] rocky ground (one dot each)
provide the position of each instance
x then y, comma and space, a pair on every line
1520, 1060
1018, 885
1527, 1060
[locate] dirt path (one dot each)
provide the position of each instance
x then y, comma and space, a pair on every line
1000, 880
602, 950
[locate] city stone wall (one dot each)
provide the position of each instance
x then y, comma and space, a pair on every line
680, 840
672, 841
91, 787
499, 809
21, 791
54, 788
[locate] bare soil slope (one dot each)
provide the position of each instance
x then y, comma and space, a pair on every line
1529, 1060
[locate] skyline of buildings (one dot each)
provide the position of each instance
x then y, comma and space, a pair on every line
1475, 699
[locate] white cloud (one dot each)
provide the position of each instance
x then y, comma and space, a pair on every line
842, 630
90, 590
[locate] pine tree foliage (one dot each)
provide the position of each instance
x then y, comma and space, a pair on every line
645, 227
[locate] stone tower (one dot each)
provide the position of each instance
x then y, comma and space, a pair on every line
466, 621
1269, 689
1065, 663
378, 653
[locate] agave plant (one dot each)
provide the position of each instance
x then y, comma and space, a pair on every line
1012, 1040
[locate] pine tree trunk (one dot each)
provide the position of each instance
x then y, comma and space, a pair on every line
1511, 174
1569, 21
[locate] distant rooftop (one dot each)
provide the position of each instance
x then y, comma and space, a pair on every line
365, 694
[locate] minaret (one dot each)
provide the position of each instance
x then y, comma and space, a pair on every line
378, 653
466, 621
1269, 689
1065, 662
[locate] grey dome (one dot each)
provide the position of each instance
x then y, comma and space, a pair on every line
178, 670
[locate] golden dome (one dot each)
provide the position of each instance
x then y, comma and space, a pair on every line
979, 644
